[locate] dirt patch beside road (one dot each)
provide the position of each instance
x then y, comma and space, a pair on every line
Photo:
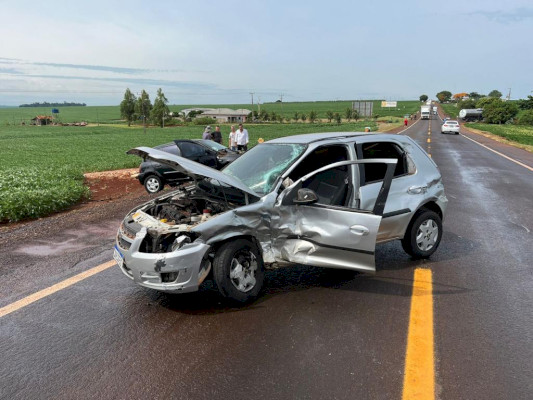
110, 185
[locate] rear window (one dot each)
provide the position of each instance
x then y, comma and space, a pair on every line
452, 122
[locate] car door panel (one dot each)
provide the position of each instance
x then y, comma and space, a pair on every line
329, 236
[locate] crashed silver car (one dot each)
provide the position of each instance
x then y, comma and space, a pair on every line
316, 199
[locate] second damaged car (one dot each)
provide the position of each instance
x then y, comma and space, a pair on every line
319, 199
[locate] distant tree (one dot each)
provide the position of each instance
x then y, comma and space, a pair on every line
296, 116
495, 93
143, 106
329, 115
499, 112
127, 107
272, 116
263, 115
526, 104
468, 103
337, 117
355, 115
475, 96
160, 112
280, 118
312, 116
303, 117
348, 114
484, 101
526, 118
444, 96
424, 97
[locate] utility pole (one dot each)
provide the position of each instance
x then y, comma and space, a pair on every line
509, 94
281, 102
259, 104
252, 94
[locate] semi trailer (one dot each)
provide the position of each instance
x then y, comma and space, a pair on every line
471, 114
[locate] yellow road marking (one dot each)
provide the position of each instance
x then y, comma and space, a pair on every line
32, 298
429, 140
419, 376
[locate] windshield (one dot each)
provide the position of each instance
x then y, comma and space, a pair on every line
260, 167
213, 145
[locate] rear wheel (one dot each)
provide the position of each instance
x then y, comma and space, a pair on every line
238, 270
153, 184
423, 234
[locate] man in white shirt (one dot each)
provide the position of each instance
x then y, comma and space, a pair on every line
242, 138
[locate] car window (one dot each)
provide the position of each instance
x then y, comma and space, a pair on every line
452, 122
173, 149
376, 172
260, 167
333, 187
212, 145
189, 149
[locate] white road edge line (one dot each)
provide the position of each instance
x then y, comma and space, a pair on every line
409, 127
500, 154
497, 152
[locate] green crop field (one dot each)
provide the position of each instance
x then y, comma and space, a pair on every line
42, 166
451, 110
111, 114
516, 133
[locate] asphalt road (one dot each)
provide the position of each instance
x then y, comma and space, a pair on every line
314, 333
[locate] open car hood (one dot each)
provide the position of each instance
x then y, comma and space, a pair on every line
191, 168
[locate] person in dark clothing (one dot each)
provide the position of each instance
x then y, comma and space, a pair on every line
216, 136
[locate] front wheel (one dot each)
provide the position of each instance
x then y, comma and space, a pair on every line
238, 270
423, 234
153, 184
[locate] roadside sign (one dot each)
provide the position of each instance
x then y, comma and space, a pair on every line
385, 104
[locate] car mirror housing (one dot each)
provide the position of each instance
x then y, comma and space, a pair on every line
305, 196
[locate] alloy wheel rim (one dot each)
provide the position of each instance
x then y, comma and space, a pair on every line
427, 235
242, 271
152, 184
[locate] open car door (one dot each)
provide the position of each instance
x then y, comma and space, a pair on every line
328, 235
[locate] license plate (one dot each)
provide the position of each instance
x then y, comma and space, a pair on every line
119, 258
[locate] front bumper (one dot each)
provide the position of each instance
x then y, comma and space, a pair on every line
176, 271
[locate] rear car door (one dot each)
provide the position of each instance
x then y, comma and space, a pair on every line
198, 153
313, 232
400, 203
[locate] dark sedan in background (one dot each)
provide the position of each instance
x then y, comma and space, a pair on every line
155, 176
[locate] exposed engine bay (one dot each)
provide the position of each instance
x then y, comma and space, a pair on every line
170, 219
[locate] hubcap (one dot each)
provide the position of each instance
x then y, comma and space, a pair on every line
242, 271
152, 185
427, 235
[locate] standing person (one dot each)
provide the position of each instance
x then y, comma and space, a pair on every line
242, 138
217, 135
232, 140
405, 122
207, 133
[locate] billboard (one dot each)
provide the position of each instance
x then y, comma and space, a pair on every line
363, 108
385, 104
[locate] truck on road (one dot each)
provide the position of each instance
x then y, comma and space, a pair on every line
425, 112
471, 114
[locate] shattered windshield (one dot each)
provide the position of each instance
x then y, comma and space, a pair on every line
260, 167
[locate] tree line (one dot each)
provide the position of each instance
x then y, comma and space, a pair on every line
134, 108
495, 110
47, 104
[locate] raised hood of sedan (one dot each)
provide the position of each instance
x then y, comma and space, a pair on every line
191, 168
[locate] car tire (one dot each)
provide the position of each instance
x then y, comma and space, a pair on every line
238, 270
423, 235
153, 184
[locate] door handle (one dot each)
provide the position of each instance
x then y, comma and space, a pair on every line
417, 189
359, 230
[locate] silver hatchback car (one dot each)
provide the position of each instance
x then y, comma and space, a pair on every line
316, 199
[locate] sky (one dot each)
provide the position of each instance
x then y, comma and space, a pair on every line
218, 52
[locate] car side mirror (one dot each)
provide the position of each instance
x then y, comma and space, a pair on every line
305, 196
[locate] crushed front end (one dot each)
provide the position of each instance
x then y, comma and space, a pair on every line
156, 246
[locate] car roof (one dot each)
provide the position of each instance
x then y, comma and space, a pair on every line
317, 137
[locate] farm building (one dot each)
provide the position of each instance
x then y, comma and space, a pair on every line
227, 114
41, 120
